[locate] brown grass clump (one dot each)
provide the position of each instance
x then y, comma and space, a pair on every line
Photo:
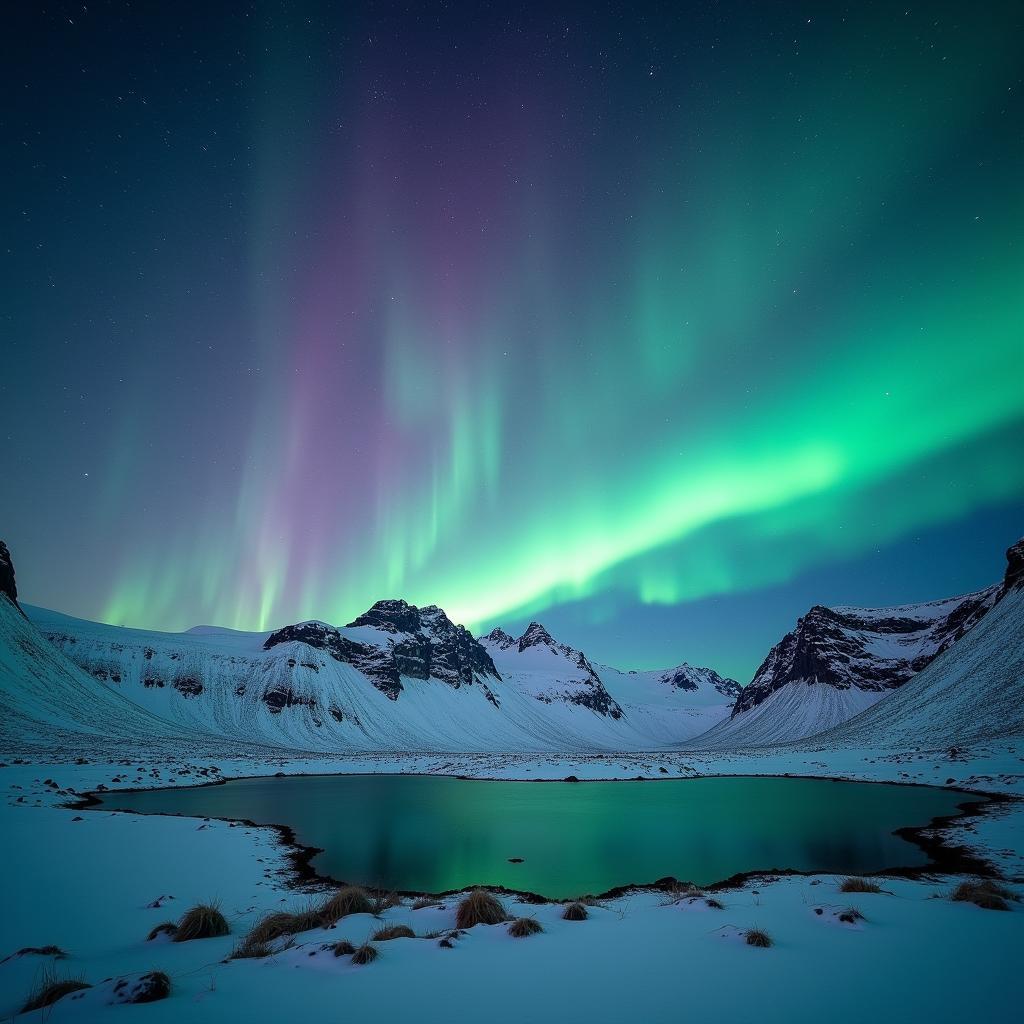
984, 893
575, 912
393, 931
167, 928
348, 900
249, 950
523, 926
274, 926
713, 903
854, 884
365, 954
851, 915
479, 907
203, 921
50, 989
759, 938
344, 948
425, 901
381, 901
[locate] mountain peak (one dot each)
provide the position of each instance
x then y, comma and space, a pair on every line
535, 634
500, 638
393, 616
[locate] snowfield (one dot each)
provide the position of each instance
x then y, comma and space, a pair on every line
104, 870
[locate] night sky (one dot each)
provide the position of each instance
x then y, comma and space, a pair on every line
659, 322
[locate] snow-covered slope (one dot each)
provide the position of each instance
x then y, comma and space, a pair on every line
397, 678
971, 693
47, 702
668, 705
839, 662
549, 671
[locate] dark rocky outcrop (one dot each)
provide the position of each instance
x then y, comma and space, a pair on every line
500, 639
1014, 578
394, 616
8, 585
871, 649
688, 678
419, 643
374, 662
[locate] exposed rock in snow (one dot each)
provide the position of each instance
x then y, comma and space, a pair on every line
7, 584
693, 678
500, 639
398, 639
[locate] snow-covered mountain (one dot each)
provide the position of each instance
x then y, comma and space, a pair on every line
667, 704
402, 678
550, 671
396, 678
838, 662
973, 692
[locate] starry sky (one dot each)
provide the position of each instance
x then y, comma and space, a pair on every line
657, 321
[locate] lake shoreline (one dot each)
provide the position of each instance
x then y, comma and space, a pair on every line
944, 857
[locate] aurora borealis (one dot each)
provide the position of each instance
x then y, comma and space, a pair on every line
654, 320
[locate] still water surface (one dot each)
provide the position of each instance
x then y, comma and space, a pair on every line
432, 834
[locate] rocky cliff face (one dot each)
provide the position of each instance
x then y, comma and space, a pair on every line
691, 678
7, 584
872, 649
1014, 578
406, 641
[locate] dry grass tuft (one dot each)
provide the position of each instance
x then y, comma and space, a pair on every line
271, 927
381, 901
203, 921
854, 884
55, 951
276, 925
167, 928
51, 988
424, 902
575, 912
851, 915
249, 950
759, 938
343, 948
984, 893
393, 931
479, 907
523, 926
348, 900
365, 954
713, 903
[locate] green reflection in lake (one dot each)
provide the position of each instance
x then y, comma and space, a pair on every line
431, 833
